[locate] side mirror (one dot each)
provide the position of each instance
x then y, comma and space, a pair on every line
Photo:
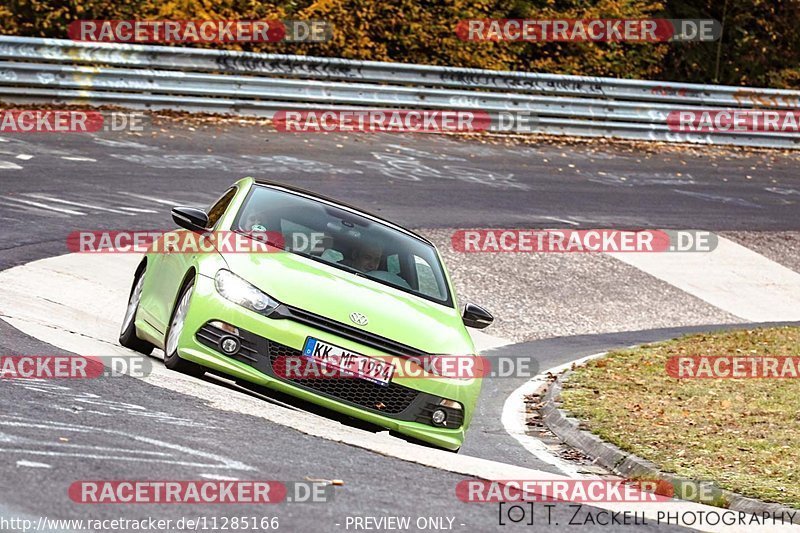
190, 218
476, 316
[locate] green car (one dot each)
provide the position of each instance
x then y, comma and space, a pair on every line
314, 280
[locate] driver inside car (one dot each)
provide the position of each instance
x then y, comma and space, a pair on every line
254, 221
366, 257
255, 224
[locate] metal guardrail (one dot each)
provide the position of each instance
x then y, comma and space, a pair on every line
143, 76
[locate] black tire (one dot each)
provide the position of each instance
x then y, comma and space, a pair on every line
172, 360
127, 335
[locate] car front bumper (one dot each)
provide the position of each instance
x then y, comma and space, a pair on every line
404, 406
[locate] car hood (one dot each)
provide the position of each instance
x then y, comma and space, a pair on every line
335, 294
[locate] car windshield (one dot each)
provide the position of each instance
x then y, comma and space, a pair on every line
344, 239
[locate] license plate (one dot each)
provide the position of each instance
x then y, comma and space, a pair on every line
348, 362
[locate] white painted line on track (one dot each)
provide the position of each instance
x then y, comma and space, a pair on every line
731, 277
77, 204
19, 208
514, 418
24, 157
57, 302
564, 220
8, 165
181, 455
150, 198
218, 477
785, 191
45, 206
73, 158
138, 210
33, 464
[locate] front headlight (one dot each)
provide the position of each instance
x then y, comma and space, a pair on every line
237, 290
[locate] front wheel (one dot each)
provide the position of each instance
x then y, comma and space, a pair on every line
171, 358
127, 335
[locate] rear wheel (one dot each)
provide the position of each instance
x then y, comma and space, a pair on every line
127, 335
171, 358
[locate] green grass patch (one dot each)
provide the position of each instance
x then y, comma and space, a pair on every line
741, 433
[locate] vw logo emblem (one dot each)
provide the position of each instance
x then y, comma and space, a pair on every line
359, 319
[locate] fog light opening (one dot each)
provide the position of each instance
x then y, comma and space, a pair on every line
439, 417
229, 345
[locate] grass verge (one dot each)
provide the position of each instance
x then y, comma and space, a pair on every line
740, 433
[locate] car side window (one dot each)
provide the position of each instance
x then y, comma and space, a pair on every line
426, 278
393, 264
216, 211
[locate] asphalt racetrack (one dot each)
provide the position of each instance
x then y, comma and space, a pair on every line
53, 433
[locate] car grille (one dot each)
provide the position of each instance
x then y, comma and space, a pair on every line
391, 398
266, 356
